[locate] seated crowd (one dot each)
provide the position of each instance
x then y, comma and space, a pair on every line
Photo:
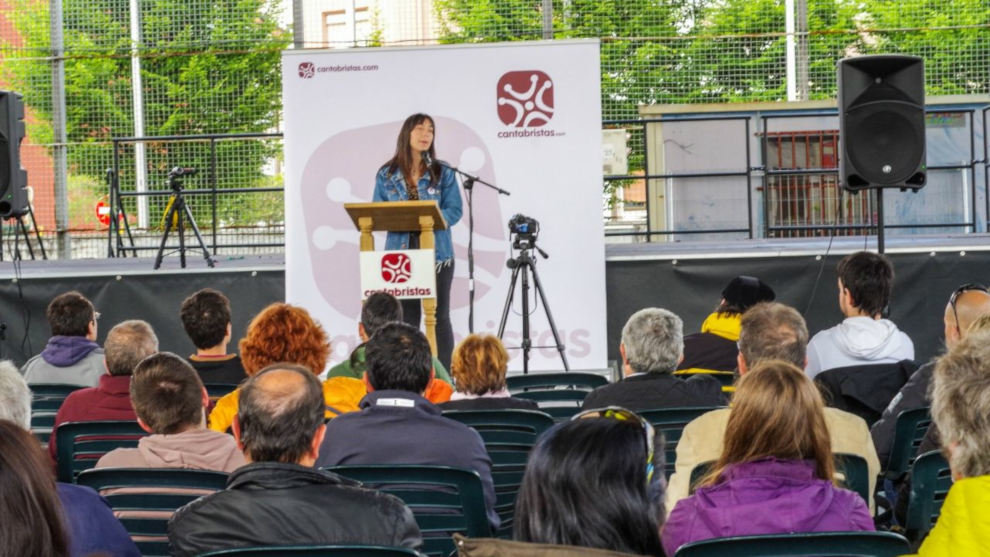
594, 483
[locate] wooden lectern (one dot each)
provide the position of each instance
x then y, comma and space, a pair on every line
402, 216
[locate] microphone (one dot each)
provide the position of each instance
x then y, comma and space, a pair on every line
180, 171
427, 159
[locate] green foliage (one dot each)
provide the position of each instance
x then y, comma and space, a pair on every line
207, 67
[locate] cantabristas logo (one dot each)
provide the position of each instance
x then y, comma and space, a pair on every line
396, 268
525, 101
307, 70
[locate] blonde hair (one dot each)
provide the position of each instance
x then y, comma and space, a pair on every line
961, 403
478, 364
776, 412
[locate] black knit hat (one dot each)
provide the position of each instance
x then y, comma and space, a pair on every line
744, 292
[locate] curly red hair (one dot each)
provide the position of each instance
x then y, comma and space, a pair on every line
479, 364
284, 333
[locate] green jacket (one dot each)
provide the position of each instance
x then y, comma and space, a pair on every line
344, 368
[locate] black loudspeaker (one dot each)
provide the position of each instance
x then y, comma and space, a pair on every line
13, 178
882, 122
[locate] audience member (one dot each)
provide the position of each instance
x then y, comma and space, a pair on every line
169, 400
72, 356
380, 308
769, 331
864, 336
479, 365
775, 474
279, 498
652, 345
287, 333
36, 528
714, 348
206, 319
396, 425
960, 406
595, 481
127, 344
966, 304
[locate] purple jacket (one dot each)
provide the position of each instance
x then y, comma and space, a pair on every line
765, 497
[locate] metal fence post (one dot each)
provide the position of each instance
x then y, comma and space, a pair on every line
59, 149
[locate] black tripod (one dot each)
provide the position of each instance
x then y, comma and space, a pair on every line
177, 211
524, 264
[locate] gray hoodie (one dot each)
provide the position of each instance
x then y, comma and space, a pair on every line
202, 449
858, 341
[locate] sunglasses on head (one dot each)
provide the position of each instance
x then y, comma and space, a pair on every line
968, 287
623, 415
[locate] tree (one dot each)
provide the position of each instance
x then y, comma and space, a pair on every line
207, 67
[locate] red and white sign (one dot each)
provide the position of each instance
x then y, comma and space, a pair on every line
406, 274
103, 213
524, 116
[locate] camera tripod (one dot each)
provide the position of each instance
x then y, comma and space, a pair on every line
177, 211
523, 265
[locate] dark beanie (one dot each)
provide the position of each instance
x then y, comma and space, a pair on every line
744, 292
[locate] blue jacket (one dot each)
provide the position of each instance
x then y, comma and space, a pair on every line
392, 187
400, 427
91, 525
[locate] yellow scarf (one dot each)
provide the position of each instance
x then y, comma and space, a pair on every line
725, 325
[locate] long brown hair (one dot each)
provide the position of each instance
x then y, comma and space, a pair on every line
402, 159
31, 511
776, 412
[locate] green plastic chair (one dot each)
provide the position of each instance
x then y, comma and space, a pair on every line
671, 422
509, 435
558, 394
852, 467
504, 426
909, 430
823, 544
314, 551
144, 511
49, 397
930, 483
443, 499
80, 444
42, 422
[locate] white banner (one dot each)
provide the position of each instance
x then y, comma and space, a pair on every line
405, 274
524, 116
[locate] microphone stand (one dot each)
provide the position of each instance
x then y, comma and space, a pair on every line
468, 184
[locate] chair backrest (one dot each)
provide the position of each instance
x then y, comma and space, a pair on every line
42, 422
145, 498
558, 394
930, 483
671, 421
909, 430
52, 390
864, 390
314, 551
444, 500
871, 544
508, 435
853, 468
81, 444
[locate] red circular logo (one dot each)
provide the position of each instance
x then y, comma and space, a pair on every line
307, 70
396, 268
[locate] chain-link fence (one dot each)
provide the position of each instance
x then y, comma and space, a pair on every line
192, 67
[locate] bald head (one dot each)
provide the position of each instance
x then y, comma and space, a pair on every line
970, 305
280, 415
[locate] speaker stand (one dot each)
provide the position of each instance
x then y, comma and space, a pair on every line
880, 246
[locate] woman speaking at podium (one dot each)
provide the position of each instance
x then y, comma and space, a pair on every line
413, 174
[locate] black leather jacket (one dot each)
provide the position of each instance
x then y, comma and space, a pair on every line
269, 503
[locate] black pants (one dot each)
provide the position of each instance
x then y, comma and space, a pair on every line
412, 313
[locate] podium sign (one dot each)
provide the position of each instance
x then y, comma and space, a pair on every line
405, 274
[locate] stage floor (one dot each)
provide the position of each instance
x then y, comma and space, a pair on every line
131, 266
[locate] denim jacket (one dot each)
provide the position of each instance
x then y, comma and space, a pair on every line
392, 187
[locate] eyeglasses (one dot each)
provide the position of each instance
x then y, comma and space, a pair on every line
96, 316
623, 415
970, 286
